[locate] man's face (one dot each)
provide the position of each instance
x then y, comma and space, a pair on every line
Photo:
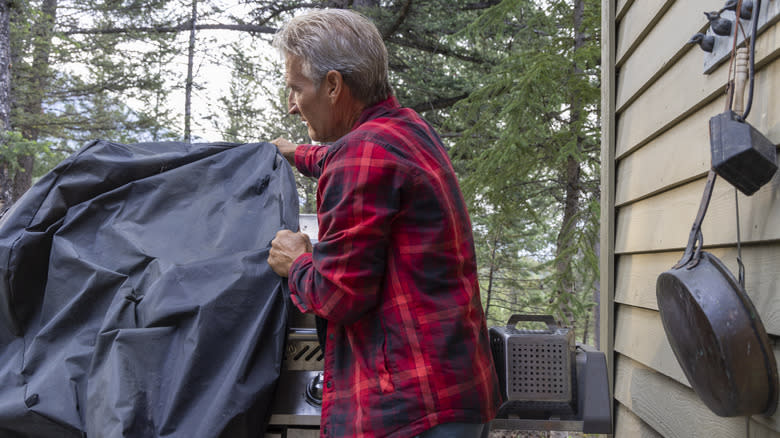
310, 101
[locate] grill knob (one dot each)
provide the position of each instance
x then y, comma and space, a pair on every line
314, 391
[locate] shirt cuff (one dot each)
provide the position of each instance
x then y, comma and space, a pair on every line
308, 159
300, 157
297, 296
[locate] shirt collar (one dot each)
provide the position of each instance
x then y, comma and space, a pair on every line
377, 110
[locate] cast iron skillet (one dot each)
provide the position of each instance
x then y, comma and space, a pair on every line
715, 331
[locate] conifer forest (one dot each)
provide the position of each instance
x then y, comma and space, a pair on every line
512, 87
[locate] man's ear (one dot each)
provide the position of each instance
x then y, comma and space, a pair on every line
335, 83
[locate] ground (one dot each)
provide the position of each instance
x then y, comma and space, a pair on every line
537, 434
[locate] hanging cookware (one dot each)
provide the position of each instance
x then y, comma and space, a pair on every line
741, 154
715, 331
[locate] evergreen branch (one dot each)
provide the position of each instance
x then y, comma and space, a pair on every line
439, 103
480, 5
398, 66
398, 21
183, 27
451, 134
276, 9
428, 46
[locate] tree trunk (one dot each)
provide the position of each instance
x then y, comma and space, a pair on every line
5, 96
564, 253
597, 300
5, 60
42, 33
585, 329
573, 187
490, 277
188, 86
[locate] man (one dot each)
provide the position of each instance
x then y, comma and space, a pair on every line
394, 270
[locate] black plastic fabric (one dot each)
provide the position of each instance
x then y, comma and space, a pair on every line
135, 296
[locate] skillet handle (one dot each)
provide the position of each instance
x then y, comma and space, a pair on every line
692, 250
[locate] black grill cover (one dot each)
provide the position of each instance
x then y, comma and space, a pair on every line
135, 296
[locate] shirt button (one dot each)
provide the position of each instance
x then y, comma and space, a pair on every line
329, 384
325, 431
330, 336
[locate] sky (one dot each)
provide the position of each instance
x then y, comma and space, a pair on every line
212, 77
213, 74
212, 71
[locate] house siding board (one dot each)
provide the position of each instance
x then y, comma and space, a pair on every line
678, 93
636, 23
674, 410
663, 222
682, 153
622, 7
668, 100
639, 334
677, 156
673, 24
629, 425
760, 429
637, 275
765, 115
655, 159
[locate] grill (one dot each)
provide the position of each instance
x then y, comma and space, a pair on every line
295, 411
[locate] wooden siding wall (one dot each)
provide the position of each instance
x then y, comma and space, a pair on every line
656, 150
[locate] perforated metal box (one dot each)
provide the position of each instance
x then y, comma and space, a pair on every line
535, 367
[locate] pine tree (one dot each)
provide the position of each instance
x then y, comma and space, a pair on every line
5, 102
511, 85
529, 150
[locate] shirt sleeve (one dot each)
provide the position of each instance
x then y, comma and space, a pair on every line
360, 192
308, 159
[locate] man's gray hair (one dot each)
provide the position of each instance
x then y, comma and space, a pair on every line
340, 40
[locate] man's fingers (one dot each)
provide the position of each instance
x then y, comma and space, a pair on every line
286, 148
280, 237
285, 248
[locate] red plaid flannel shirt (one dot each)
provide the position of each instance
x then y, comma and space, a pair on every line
394, 273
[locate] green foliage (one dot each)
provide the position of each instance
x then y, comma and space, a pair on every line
432, 65
534, 112
241, 105
13, 146
68, 89
512, 86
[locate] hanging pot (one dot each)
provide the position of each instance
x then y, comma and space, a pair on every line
715, 331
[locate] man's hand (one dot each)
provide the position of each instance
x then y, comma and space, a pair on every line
286, 148
285, 248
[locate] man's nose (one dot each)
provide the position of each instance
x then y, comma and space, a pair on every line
292, 107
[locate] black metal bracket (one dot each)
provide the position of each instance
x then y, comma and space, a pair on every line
769, 15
